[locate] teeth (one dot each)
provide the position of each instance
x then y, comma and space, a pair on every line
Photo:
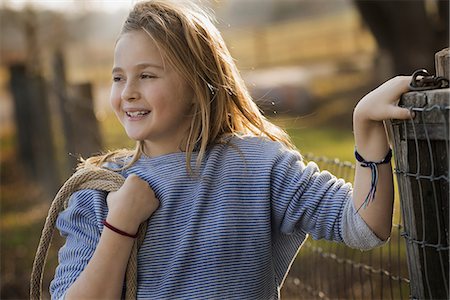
137, 113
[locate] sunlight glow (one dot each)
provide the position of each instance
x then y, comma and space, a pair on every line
71, 5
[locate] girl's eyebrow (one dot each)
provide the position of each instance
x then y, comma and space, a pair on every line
147, 65
140, 66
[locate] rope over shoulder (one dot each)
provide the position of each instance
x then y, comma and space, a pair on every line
94, 178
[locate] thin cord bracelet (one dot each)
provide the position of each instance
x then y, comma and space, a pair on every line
116, 230
374, 170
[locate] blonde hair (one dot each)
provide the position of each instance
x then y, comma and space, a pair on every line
194, 47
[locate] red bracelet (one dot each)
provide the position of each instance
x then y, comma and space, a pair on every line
116, 230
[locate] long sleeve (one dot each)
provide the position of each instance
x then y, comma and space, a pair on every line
80, 225
314, 202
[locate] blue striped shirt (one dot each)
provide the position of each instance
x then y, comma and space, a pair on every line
232, 232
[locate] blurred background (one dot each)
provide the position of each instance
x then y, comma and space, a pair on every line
306, 63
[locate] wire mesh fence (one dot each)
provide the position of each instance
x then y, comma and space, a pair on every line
327, 270
414, 264
422, 147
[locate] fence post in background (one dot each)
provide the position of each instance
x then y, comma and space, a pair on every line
34, 128
60, 85
42, 135
86, 132
442, 60
80, 129
23, 116
421, 157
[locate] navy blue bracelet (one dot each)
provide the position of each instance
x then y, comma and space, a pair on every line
374, 170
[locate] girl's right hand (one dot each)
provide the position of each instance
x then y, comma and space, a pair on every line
131, 205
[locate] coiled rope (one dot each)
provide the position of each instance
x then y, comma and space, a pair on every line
94, 178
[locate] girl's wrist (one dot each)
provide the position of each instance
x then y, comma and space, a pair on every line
361, 117
371, 139
118, 230
124, 224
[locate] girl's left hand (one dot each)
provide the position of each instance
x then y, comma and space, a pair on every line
372, 144
381, 103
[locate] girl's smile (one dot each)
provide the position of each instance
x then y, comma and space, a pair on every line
150, 99
136, 114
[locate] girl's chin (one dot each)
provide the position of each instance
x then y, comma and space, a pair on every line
135, 136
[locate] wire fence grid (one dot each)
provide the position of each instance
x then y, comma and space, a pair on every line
422, 147
414, 264
327, 270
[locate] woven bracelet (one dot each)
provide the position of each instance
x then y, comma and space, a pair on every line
374, 170
117, 230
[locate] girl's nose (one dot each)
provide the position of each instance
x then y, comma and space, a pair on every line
130, 92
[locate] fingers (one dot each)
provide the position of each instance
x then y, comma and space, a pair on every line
135, 180
134, 202
394, 88
132, 177
382, 103
399, 113
402, 83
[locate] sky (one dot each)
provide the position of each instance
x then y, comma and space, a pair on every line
67, 5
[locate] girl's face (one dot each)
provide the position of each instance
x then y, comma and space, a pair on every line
150, 99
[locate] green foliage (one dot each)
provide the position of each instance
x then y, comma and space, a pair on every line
329, 142
114, 136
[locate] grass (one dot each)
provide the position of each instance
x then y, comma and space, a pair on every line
328, 142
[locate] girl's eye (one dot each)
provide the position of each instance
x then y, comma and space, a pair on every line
117, 78
147, 76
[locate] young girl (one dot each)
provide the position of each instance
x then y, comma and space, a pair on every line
230, 200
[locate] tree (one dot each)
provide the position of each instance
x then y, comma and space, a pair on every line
409, 31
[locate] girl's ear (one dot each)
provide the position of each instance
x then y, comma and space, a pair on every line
192, 97
194, 101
